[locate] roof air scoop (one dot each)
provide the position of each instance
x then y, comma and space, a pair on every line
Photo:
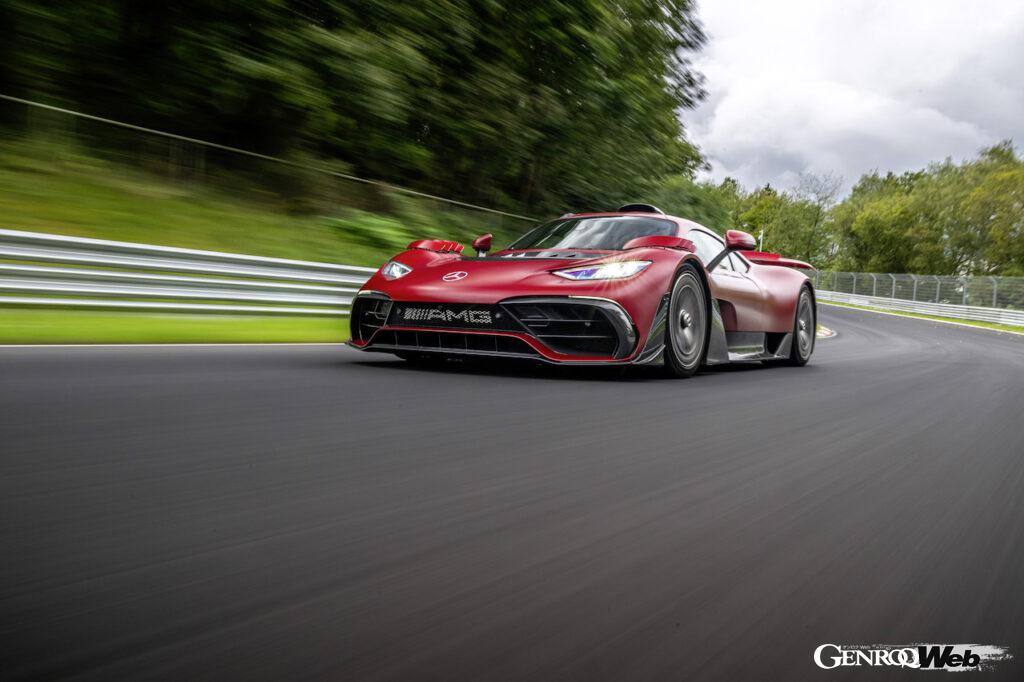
640, 208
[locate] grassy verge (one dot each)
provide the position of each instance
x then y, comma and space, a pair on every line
969, 323
46, 326
63, 189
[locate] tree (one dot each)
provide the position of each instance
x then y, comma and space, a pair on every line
818, 193
948, 219
531, 106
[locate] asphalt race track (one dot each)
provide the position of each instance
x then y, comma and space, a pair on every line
310, 512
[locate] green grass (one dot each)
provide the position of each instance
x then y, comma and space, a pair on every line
48, 326
971, 323
63, 193
61, 189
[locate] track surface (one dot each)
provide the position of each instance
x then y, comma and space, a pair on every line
315, 513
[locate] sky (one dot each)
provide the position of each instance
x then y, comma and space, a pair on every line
851, 86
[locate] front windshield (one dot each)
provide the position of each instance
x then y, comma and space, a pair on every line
609, 233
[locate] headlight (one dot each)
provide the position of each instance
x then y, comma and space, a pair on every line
393, 270
617, 270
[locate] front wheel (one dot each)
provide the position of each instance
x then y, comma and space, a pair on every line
687, 330
805, 329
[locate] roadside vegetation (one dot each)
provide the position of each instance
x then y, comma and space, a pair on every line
950, 218
529, 109
62, 188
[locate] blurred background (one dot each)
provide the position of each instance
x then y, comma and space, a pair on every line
336, 132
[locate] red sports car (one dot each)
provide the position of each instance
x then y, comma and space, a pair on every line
631, 287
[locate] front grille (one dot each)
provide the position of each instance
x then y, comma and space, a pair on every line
368, 315
452, 316
569, 328
452, 342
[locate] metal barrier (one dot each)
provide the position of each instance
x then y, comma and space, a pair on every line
957, 312
982, 299
975, 291
54, 270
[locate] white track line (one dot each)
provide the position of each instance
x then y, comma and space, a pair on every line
922, 319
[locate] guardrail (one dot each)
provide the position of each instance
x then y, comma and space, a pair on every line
958, 312
54, 270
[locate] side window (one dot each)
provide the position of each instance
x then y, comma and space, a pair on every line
707, 246
738, 264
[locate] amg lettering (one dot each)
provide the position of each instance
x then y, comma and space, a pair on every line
446, 315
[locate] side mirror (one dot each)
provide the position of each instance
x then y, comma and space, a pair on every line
482, 244
735, 240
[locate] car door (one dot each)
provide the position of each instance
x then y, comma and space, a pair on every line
741, 300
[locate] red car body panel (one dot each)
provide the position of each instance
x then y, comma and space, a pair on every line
761, 300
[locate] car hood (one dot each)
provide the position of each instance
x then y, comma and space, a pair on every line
483, 280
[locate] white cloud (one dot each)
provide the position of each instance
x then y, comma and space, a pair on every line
857, 85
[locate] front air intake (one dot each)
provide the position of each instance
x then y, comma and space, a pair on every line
369, 313
576, 327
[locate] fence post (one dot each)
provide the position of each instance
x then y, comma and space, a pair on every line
914, 295
938, 287
963, 282
874, 285
995, 290
893, 292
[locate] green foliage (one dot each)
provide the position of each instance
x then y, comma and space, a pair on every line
877, 236
62, 190
947, 219
944, 220
703, 203
377, 231
532, 107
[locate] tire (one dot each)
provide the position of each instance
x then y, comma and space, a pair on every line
688, 326
805, 328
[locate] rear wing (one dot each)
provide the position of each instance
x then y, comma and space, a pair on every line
765, 258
